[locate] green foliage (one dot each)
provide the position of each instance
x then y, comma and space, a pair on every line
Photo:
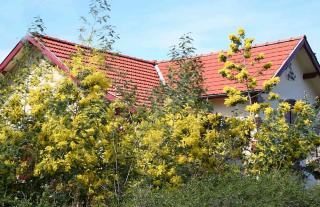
281, 144
66, 136
59, 135
179, 138
96, 30
313, 167
273, 189
177, 146
184, 83
275, 143
63, 144
37, 26
238, 72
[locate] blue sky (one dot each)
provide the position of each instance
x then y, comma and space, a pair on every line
148, 28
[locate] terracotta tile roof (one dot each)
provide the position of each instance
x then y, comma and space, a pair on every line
142, 73
138, 72
275, 52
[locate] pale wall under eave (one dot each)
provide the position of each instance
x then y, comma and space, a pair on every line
288, 89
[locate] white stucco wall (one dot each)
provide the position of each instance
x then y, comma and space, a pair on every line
299, 88
219, 107
288, 89
56, 77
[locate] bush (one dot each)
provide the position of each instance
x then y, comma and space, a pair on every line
62, 144
273, 189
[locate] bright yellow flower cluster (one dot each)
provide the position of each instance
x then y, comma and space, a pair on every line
273, 96
269, 84
253, 108
68, 137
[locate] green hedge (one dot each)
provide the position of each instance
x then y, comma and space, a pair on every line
273, 189
276, 189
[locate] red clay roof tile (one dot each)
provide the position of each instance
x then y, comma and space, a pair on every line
140, 73
275, 52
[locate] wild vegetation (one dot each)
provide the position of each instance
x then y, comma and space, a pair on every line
63, 144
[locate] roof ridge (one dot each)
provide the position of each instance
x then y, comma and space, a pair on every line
87, 47
254, 46
279, 41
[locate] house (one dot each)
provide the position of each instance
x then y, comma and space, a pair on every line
293, 61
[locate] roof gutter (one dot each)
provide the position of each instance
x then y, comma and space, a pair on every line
214, 95
225, 95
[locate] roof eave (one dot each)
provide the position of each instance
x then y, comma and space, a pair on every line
46, 53
222, 95
312, 55
11, 55
303, 43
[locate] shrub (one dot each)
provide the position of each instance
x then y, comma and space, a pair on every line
273, 189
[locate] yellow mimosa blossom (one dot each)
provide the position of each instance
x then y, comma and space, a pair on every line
254, 108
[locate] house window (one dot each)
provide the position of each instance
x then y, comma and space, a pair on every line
290, 115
